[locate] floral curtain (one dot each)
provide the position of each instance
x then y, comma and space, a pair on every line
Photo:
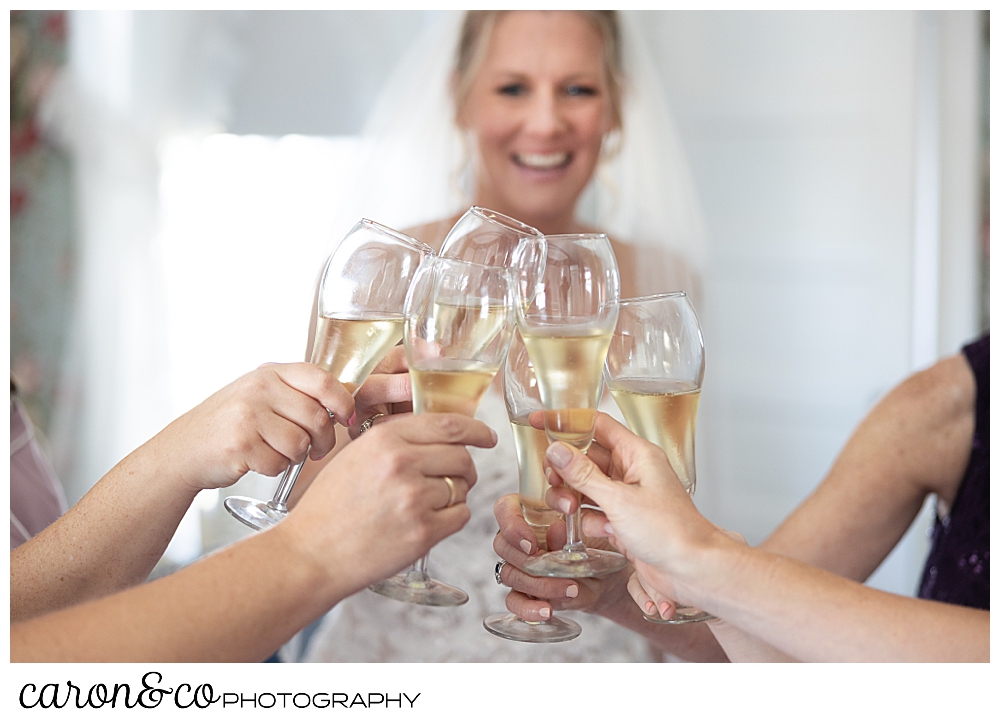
42, 260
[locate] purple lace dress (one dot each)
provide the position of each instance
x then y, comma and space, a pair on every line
958, 567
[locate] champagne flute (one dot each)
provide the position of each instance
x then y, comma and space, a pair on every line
489, 238
359, 319
654, 370
456, 333
566, 323
520, 391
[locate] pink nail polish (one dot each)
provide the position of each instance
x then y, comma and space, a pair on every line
526, 546
545, 613
353, 419
572, 591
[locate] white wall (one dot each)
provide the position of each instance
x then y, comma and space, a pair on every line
802, 132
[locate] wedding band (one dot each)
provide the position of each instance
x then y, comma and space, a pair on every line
451, 491
497, 569
367, 424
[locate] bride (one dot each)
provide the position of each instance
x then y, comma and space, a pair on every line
556, 119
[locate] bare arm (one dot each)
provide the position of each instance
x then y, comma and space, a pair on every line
916, 441
243, 602
803, 611
114, 536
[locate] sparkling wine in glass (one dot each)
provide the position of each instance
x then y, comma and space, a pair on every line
456, 334
654, 370
520, 391
566, 320
360, 318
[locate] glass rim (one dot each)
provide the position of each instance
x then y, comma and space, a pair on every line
652, 297
452, 260
398, 235
574, 236
501, 219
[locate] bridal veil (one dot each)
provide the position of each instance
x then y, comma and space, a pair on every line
415, 167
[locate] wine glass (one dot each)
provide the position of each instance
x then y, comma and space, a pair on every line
359, 319
520, 391
566, 321
654, 370
456, 333
490, 238
487, 237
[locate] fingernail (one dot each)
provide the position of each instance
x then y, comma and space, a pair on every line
607, 528
650, 607
572, 591
526, 546
493, 434
545, 613
664, 609
559, 454
563, 505
353, 419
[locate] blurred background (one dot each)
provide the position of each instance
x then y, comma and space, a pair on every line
176, 176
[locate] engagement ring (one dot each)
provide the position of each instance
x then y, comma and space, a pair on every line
367, 424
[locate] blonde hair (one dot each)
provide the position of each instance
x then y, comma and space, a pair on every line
474, 41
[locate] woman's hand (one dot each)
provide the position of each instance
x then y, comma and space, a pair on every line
646, 512
534, 598
386, 391
382, 502
263, 422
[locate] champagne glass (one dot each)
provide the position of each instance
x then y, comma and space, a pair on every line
654, 370
520, 391
567, 323
359, 319
456, 333
489, 238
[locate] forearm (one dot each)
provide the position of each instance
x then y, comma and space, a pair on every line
814, 615
240, 604
109, 540
741, 647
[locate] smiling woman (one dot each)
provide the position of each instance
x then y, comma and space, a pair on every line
539, 103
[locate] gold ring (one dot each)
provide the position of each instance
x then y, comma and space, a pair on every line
451, 491
367, 424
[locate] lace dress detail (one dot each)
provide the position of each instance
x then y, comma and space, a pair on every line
371, 628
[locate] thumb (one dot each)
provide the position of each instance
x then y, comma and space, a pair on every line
579, 472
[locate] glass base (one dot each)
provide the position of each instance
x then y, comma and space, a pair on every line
570, 563
683, 614
420, 588
254, 513
511, 627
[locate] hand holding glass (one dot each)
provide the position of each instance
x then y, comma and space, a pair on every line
360, 318
456, 334
654, 370
566, 320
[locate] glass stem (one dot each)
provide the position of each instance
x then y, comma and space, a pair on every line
285, 486
418, 572
574, 534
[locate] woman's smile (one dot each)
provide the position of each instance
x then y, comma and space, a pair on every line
543, 161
